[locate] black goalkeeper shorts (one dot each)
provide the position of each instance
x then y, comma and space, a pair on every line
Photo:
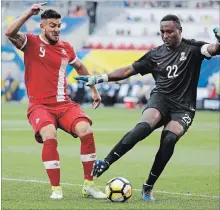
170, 111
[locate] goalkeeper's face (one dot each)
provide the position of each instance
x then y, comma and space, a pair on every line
170, 33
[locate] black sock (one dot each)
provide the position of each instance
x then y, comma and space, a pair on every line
152, 178
138, 133
165, 152
147, 187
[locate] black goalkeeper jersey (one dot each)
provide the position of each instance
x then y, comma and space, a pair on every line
176, 72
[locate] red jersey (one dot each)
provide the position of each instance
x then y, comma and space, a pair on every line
45, 69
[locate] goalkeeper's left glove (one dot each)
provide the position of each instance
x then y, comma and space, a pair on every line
92, 80
217, 33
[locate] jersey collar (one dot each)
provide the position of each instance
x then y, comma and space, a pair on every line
41, 38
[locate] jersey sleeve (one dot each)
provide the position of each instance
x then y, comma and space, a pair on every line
72, 55
29, 40
198, 49
144, 64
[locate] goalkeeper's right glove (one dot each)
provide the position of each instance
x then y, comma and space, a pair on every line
217, 33
92, 80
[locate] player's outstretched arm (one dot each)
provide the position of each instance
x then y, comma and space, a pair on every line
119, 74
214, 49
13, 33
82, 70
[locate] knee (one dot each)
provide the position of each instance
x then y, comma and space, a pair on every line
82, 128
175, 127
142, 129
138, 133
168, 139
167, 145
151, 116
48, 132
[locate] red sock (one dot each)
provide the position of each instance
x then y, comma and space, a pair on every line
51, 160
88, 154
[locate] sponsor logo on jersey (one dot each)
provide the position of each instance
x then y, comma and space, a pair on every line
182, 56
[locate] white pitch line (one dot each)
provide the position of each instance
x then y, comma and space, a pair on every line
80, 185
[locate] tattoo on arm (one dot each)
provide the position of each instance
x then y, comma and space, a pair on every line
18, 39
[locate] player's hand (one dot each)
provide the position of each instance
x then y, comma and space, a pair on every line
92, 80
35, 8
217, 33
96, 98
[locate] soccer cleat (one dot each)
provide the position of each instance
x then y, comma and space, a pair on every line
57, 193
147, 193
89, 189
99, 167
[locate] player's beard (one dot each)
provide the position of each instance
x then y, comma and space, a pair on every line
171, 44
51, 41
168, 43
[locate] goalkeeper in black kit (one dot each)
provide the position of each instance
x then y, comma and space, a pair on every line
175, 66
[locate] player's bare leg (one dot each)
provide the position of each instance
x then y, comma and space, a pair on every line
51, 160
88, 156
169, 137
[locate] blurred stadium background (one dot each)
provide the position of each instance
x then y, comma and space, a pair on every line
110, 34
107, 35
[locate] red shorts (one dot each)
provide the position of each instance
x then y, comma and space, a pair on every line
62, 115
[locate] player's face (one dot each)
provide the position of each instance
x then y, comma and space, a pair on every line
51, 30
170, 33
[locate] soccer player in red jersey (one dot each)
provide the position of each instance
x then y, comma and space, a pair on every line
46, 58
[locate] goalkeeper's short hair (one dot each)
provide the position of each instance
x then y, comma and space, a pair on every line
173, 18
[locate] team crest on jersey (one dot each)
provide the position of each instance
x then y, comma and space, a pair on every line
37, 120
63, 51
182, 56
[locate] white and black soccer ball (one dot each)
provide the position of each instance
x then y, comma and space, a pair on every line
118, 189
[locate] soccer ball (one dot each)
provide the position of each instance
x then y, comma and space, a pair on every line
118, 189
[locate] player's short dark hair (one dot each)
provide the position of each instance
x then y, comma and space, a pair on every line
50, 13
173, 18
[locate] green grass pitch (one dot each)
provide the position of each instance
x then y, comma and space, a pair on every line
190, 180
